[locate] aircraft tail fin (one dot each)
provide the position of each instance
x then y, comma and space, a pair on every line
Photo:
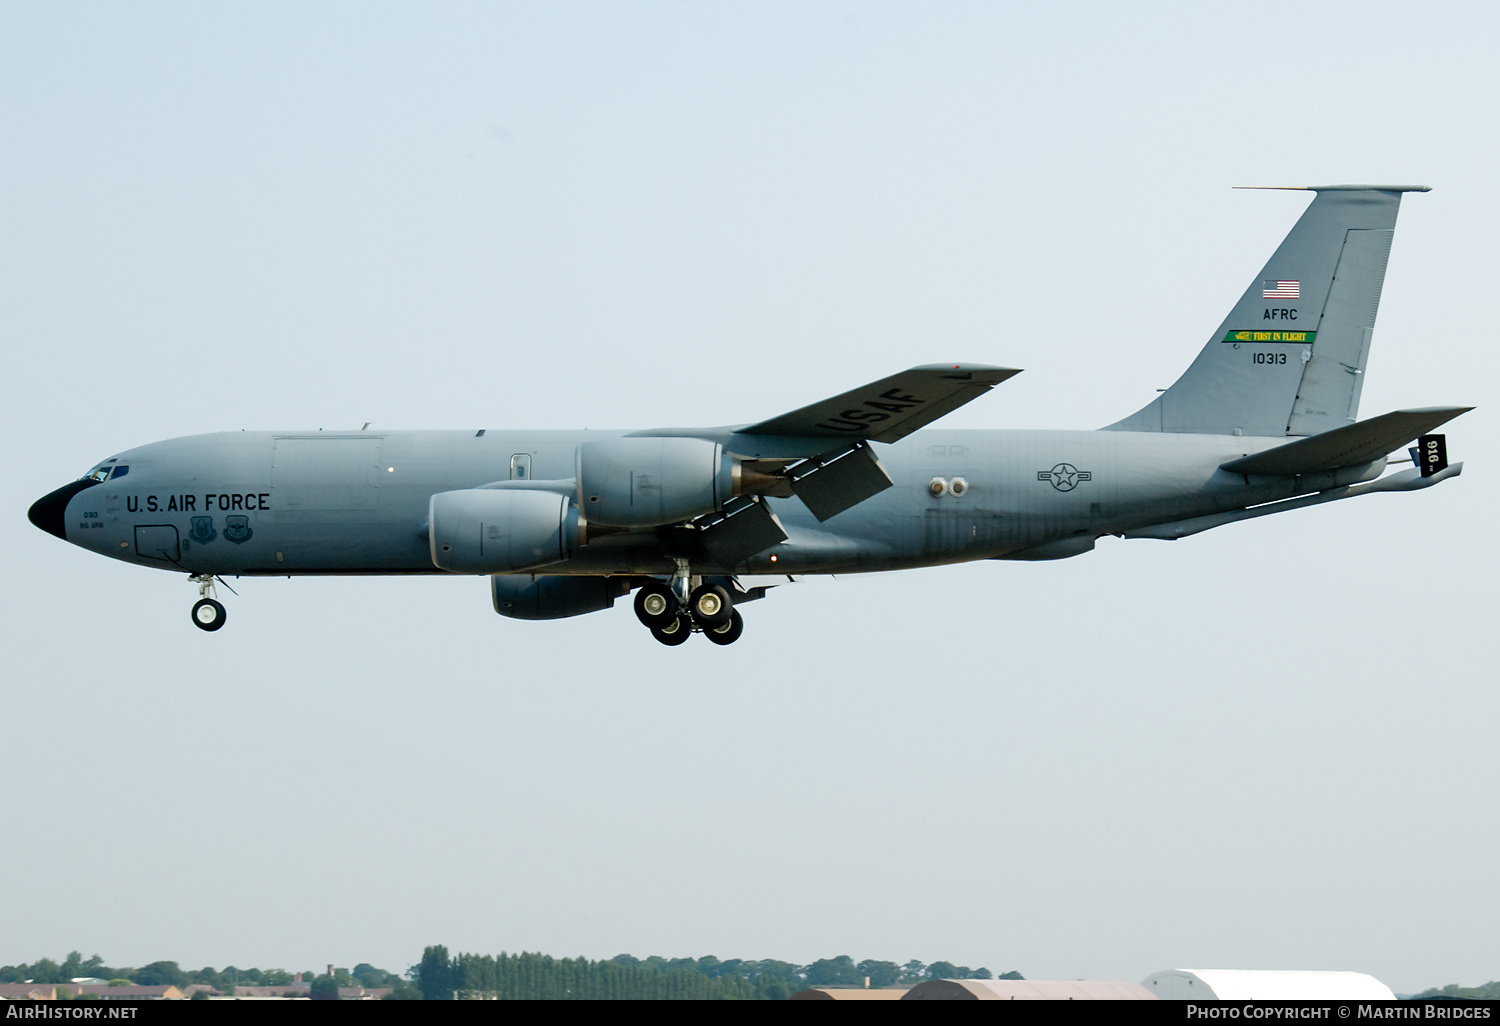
1290, 357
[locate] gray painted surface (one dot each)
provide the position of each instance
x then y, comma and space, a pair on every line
1276, 381
1212, 450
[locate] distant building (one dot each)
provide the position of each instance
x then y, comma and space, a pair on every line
131, 993
54, 991
364, 993
1027, 990
296, 990
1265, 985
850, 994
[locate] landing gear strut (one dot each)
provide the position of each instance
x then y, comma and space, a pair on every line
208, 613
673, 610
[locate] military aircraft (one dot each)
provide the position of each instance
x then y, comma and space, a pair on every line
699, 521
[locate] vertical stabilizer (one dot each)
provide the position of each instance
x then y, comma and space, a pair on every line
1290, 357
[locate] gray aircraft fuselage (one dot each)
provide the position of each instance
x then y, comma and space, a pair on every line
222, 504
1264, 420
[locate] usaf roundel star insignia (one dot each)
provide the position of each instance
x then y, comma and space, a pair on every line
1064, 477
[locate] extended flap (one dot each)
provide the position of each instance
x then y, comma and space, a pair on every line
833, 482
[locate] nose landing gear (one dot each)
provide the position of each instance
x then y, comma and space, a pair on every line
208, 613
672, 612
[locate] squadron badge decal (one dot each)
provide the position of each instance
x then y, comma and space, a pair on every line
203, 530
1064, 477
237, 529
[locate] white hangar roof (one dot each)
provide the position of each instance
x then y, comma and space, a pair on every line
1265, 984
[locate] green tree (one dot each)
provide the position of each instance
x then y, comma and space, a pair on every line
771, 970
1488, 991
833, 972
881, 974
366, 975
942, 971
72, 965
44, 970
324, 988
160, 974
913, 972
435, 974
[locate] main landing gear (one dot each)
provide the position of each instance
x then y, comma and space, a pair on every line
208, 613
672, 612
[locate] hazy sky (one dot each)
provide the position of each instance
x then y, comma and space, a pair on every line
1271, 746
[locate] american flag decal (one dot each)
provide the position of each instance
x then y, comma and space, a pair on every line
1282, 290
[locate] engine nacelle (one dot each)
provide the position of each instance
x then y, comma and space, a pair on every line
646, 482
499, 530
554, 596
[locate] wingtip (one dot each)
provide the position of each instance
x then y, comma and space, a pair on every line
970, 371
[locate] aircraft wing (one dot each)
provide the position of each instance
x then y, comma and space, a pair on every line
891, 408
1348, 446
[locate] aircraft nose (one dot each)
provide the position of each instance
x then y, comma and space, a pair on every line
48, 511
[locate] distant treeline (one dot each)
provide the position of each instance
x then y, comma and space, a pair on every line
533, 976
159, 974
1490, 991
529, 975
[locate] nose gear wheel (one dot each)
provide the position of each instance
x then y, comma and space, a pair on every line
208, 615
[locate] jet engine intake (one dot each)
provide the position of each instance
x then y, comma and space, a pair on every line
648, 482
496, 531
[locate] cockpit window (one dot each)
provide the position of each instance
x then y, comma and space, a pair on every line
120, 471
99, 473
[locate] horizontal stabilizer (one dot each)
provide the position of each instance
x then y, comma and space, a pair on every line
1348, 446
891, 408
